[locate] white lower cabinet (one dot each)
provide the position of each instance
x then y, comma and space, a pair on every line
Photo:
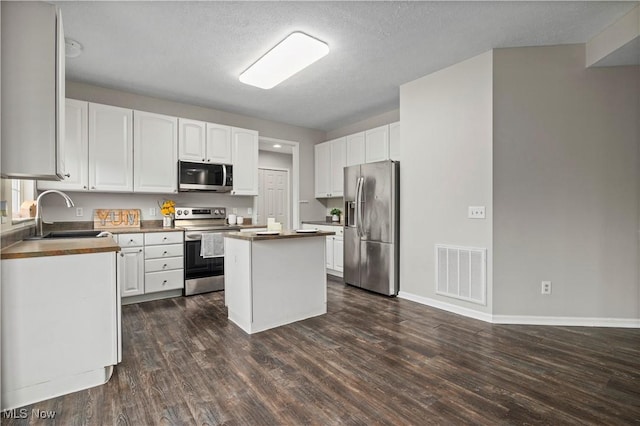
334, 254
150, 263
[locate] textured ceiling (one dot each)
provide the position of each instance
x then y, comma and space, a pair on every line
193, 52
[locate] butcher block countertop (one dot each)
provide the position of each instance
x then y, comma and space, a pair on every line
59, 247
254, 236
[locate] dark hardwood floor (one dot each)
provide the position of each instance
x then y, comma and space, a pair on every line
370, 360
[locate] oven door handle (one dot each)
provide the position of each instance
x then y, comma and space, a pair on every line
193, 237
224, 175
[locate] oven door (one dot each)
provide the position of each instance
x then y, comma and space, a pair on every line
195, 266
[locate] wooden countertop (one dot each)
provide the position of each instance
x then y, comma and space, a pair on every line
253, 236
322, 222
59, 247
143, 230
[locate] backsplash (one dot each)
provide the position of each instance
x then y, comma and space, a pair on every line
55, 210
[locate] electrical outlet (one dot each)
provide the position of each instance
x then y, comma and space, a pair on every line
249, 210
235, 211
152, 211
79, 212
476, 212
546, 287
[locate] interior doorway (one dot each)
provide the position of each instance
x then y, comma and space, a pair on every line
273, 196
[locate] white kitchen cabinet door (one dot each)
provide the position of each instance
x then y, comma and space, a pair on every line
191, 140
131, 271
329, 254
245, 161
110, 148
322, 157
377, 144
355, 149
76, 152
218, 144
338, 253
32, 91
155, 153
394, 141
338, 161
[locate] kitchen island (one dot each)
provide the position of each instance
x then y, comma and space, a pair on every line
273, 280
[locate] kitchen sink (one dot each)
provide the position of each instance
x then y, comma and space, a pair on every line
88, 233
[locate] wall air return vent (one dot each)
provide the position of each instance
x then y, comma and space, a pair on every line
461, 272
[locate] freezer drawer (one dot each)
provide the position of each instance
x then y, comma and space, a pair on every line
351, 272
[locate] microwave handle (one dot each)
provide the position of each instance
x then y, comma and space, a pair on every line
224, 175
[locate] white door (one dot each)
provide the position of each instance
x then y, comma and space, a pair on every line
355, 149
191, 140
131, 271
245, 161
338, 161
155, 153
338, 253
218, 144
322, 169
110, 148
273, 196
329, 252
377, 144
76, 152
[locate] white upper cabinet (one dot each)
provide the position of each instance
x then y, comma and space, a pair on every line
218, 144
245, 161
377, 144
204, 142
155, 153
330, 159
76, 152
338, 161
394, 141
322, 152
355, 149
33, 74
110, 148
192, 140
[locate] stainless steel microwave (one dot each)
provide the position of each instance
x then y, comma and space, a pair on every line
204, 177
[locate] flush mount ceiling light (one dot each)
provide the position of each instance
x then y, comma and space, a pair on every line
277, 145
72, 49
288, 57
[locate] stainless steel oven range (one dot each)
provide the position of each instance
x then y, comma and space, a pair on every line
202, 274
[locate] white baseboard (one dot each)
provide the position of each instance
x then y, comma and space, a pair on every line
567, 321
449, 307
523, 319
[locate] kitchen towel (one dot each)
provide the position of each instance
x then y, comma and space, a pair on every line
212, 245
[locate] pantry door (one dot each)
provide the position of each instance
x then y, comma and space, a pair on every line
273, 196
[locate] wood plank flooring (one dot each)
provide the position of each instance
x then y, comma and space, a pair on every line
370, 360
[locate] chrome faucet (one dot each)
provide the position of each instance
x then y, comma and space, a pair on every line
38, 218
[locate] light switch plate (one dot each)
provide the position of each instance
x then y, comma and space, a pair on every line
249, 210
79, 212
476, 212
152, 211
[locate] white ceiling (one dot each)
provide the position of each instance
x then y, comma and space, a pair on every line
193, 52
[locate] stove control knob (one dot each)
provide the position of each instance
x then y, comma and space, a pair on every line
223, 212
186, 212
216, 211
179, 212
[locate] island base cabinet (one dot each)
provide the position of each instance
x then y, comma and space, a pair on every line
60, 325
271, 283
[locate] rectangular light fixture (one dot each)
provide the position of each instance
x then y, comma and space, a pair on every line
291, 55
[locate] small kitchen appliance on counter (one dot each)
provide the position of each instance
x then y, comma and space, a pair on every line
203, 272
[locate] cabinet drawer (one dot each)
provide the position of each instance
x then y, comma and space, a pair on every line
156, 252
155, 238
159, 265
130, 240
161, 281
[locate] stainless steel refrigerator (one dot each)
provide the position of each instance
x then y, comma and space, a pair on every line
371, 233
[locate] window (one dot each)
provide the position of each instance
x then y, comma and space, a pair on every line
21, 191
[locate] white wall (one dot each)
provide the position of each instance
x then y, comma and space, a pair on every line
312, 210
268, 159
567, 184
446, 166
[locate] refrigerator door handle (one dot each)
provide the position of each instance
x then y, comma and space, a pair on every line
356, 220
359, 212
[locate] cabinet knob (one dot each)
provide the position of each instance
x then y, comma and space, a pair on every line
203, 159
131, 240
67, 175
163, 253
208, 160
84, 187
164, 266
93, 187
164, 238
121, 254
140, 251
164, 282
